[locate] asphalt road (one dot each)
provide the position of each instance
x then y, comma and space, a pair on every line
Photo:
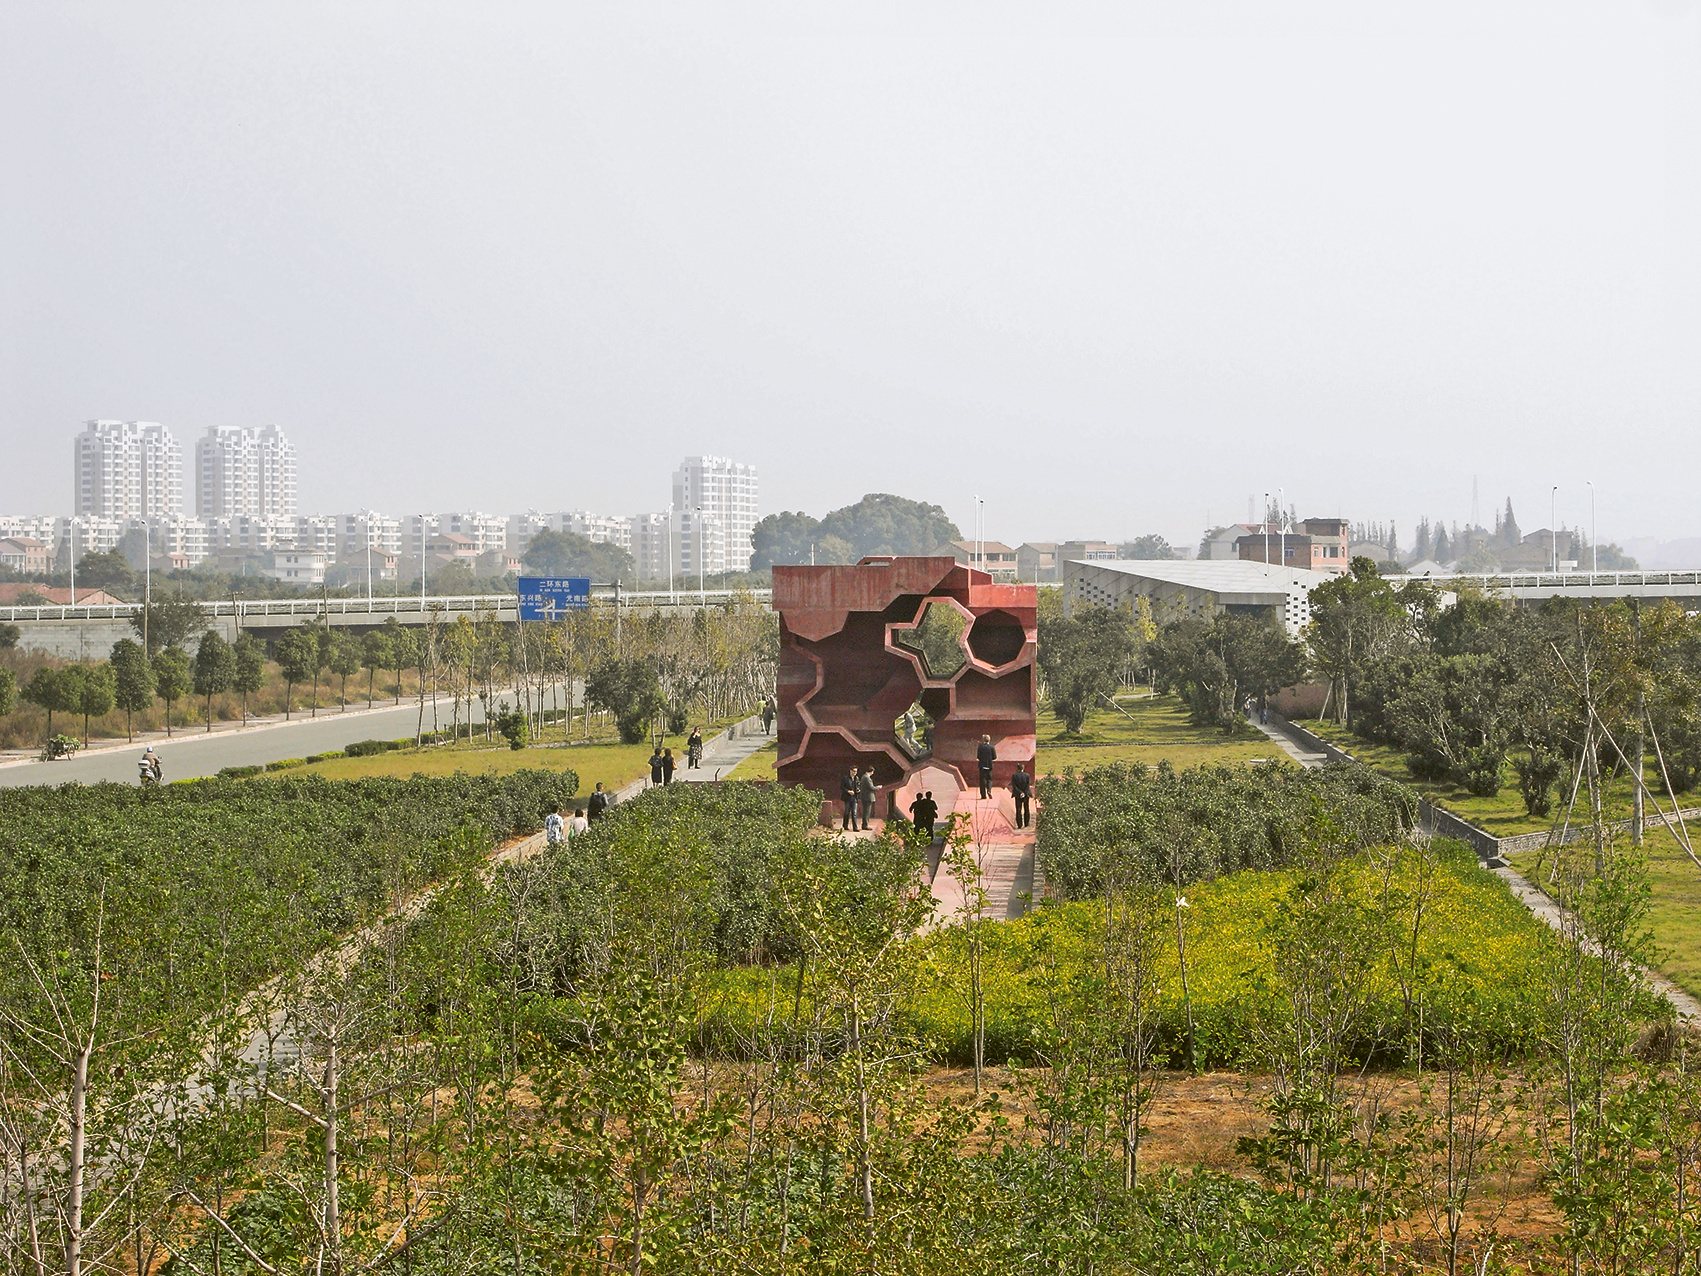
196, 753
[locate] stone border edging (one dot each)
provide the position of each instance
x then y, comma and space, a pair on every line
1446, 823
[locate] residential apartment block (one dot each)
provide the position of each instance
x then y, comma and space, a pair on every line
127, 469
714, 506
244, 471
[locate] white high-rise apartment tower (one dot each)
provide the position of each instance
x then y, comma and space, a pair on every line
240, 471
127, 469
725, 492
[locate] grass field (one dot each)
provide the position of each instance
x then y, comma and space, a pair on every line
759, 765
1503, 814
1153, 730
613, 764
1674, 884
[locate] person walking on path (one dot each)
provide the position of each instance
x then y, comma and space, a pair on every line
767, 715
667, 766
600, 802
554, 827
849, 788
866, 792
986, 755
694, 749
655, 768
578, 824
1022, 789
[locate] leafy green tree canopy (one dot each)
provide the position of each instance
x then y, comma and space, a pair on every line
1081, 657
631, 690
105, 569
1147, 547
171, 620
569, 554
877, 524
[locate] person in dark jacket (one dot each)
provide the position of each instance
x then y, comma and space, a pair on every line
918, 809
599, 803
865, 791
1022, 789
767, 715
667, 766
986, 755
694, 748
850, 789
656, 767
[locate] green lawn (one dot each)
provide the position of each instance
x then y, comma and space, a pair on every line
613, 764
759, 765
1503, 814
1674, 883
1154, 729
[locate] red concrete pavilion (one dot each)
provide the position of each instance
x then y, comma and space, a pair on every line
846, 676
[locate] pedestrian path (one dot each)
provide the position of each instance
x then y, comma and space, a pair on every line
1302, 756
721, 753
1010, 878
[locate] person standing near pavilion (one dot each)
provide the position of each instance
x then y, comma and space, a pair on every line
865, 791
986, 755
1022, 790
850, 789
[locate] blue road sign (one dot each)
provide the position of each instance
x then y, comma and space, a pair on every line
545, 597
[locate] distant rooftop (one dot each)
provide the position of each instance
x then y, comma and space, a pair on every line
1223, 575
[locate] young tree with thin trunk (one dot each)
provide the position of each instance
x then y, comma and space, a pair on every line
172, 679
215, 669
133, 680
96, 695
343, 660
250, 673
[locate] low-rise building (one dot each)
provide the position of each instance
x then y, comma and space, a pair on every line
26, 554
995, 558
1201, 587
1315, 544
1036, 561
299, 565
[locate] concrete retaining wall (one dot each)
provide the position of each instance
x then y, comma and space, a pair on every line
1444, 823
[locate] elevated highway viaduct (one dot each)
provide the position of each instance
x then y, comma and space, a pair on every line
78, 633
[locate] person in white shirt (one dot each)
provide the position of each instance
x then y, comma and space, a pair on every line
578, 824
554, 827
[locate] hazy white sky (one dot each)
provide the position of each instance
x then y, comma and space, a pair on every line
1112, 268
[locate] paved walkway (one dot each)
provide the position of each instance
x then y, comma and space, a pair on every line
1302, 756
1010, 874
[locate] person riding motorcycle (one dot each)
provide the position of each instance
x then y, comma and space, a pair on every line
149, 767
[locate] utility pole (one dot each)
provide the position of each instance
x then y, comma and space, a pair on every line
147, 578
1266, 533
1553, 526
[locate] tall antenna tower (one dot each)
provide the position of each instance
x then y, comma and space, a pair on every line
1476, 519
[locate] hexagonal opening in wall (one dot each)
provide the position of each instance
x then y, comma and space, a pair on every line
997, 638
937, 639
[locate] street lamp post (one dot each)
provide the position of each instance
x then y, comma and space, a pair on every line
1266, 533
1594, 537
1553, 525
71, 523
1282, 527
671, 602
368, 522
702, 594
422, 564
147, 578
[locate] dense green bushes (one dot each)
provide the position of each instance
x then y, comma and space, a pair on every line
205, 885
1475, 941
1128, 823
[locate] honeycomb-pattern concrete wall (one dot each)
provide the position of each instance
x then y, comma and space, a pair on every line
844, 677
